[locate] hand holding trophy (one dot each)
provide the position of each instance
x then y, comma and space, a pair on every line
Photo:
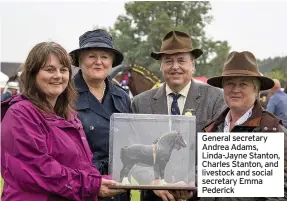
153, 152
106, 191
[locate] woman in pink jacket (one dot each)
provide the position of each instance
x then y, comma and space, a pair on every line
44, 152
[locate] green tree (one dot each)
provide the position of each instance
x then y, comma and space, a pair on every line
212, 65
141, 30
277, 74
271, 64
275, 68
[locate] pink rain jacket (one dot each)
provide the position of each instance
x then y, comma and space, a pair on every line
44, 157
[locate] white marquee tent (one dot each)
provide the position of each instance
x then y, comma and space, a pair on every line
3, 79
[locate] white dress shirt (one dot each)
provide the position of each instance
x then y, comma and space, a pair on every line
241, 120
180, 101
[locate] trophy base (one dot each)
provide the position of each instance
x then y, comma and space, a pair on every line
150, 187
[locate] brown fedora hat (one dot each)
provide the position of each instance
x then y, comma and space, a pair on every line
241, 64
176, 42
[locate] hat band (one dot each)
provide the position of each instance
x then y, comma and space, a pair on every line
96, 40
168, 51
240, 73
97, 45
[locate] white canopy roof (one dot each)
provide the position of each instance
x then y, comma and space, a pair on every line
3, 79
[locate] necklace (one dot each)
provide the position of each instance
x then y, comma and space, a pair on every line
103, 92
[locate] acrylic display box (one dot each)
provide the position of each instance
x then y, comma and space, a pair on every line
153, 151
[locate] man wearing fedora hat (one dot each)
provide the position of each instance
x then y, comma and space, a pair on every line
241, 82
179, 93
98, 97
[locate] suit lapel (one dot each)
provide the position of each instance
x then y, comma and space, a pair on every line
159, 105
192, 99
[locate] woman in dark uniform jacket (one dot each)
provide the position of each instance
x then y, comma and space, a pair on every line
98, 97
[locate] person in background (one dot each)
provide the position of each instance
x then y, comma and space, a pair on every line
125, 86
178, 94
2, 88
12, 90
126, 76
277, 103
241, 83
264, 98
3, 80
98, 97
44, 153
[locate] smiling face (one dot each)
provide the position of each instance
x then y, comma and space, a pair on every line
52, 79
96, 64
177, 69
239, 93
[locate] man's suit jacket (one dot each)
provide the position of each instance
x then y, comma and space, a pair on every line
206, 101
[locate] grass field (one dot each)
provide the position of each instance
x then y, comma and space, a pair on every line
1, 187
135, 195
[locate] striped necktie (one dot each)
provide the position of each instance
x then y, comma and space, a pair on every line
174, 105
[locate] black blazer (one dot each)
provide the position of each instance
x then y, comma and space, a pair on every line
95, 118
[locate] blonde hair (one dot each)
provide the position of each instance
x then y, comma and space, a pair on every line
257, 84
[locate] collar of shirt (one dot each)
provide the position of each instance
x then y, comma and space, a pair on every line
181, 100
183, 92
241, 120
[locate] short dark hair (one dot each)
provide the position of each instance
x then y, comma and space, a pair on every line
37, 58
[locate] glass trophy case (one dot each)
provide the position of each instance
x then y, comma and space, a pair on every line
149, 151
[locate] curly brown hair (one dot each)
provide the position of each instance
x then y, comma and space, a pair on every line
37, 59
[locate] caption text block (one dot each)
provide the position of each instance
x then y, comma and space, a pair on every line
240, 164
